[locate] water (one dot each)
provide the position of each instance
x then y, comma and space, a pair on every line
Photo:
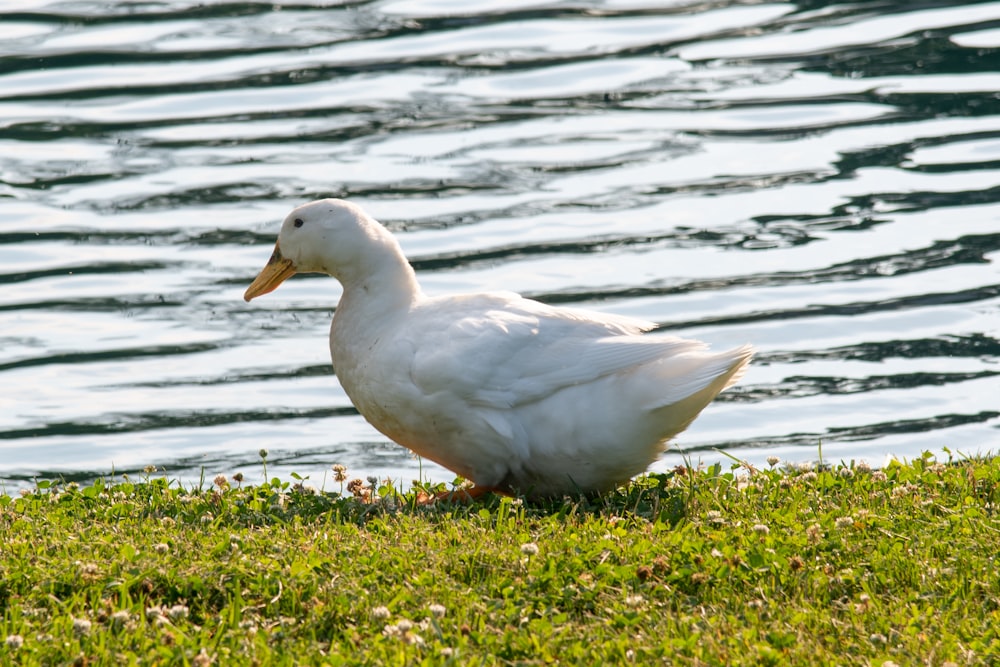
822, 180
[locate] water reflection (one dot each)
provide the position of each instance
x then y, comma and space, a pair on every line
820, 180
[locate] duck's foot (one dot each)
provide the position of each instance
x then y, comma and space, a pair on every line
466, 495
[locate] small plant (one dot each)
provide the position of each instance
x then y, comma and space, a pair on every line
694, 566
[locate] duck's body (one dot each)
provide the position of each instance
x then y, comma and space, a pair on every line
515, 395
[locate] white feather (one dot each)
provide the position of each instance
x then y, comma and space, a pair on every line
509, 392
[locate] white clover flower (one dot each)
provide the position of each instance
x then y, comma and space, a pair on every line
162, 548
862, 466
773, 460
178, 612
761, 529
529, 549
634, 600
380, 613
843, 522
846, 473
119, 619
81, 626
14, 641
413, 638
437, 610
404, 625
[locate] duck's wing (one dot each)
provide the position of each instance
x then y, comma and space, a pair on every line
501, 351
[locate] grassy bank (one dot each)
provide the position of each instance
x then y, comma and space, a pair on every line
838, 566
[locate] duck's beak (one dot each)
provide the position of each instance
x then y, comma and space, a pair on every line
273, 274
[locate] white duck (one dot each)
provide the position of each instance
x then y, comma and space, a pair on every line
515, 395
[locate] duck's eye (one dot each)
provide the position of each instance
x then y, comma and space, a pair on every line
298, 222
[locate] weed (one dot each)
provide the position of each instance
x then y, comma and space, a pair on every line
774, 566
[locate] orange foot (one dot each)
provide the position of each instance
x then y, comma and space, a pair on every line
466, 495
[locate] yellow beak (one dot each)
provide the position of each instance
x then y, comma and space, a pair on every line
273, 274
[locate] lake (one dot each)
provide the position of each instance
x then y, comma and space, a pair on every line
821, 180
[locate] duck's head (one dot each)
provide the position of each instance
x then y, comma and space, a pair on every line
329, 236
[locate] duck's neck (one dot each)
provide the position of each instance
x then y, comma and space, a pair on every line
379, 286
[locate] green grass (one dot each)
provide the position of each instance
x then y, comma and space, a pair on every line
840, 566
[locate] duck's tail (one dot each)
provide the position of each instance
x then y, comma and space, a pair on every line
741, 358
690, 382
696, 373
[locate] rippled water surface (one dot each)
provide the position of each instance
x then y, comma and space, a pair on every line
822, 180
